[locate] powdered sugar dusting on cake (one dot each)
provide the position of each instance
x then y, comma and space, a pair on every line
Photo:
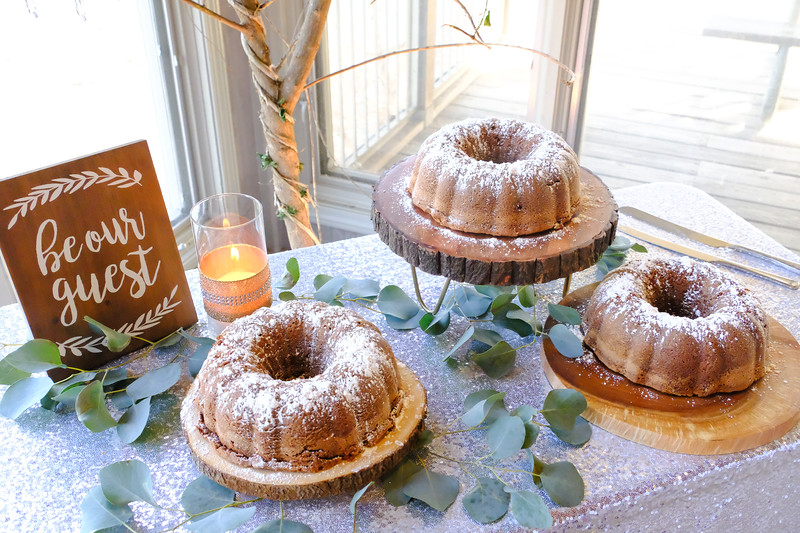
679, 326
528, 176
346, 356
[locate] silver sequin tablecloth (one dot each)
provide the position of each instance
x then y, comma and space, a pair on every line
48, 461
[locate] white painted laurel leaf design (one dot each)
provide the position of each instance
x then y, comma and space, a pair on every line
145, 321
48, 192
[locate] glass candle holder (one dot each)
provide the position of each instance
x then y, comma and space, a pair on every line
232, 255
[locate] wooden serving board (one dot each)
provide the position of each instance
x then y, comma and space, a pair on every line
346, 476
483, 259
717, 424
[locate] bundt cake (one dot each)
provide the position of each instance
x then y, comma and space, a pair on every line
300, 387
497, 177
678, 326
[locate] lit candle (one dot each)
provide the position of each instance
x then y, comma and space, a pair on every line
234, 267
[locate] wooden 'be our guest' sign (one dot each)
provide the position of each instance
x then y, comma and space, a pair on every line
91, 237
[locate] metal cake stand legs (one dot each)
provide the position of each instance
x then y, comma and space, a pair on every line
419, 294
442, 294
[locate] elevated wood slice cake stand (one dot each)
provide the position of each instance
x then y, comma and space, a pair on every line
348, 475
484, 259
717, 424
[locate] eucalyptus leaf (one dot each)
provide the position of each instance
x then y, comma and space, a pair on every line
133, 421
486, 502
521, 314
37, 355
10, 374
155, 382
474, 397
111, 377
357, 496
520, 327
501, 301
565, 341
330, 290
120, 400
565, 314
286, 296
531, 434
563, 483
279, 525
320, 280
462, 340
392, 301
529, 509
437, 490
402, 324
497, 361
536, 469
488, 290
580, 433
506, 436
470, 302
69, 395
115, 340
202, 495
290, 276
91, 409
97, 513
127, 481
199, 340
362, 288
562, 406
424, 438
525, 412
226, 519
481, 410
489, 337
394, 482
170, 340
527, 296
435, 324
198, 358
23, 394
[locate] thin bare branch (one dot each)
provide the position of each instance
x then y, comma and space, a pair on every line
263, 5
216, 16
470, 37
451, 45
469, 17
303, 50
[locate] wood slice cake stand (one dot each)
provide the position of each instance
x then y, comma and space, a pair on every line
717, 424
348, 475
484, 259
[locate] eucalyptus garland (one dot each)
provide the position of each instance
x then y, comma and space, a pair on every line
207, 506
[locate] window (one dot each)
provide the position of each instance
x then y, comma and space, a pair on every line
375, 115
83, 77
685, 92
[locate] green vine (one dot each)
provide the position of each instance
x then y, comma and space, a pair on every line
507, 434
88, 392
511, 308
206, 506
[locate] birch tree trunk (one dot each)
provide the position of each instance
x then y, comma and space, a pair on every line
279, 89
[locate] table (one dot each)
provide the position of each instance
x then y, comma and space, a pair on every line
49, 461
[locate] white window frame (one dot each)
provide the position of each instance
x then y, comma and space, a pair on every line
344, 201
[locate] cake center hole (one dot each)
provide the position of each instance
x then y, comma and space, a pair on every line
679, 302
287, 363
494, 148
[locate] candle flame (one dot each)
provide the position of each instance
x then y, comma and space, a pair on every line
234, 254
226, 223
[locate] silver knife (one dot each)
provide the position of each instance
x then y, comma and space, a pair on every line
685, 250
701, 237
